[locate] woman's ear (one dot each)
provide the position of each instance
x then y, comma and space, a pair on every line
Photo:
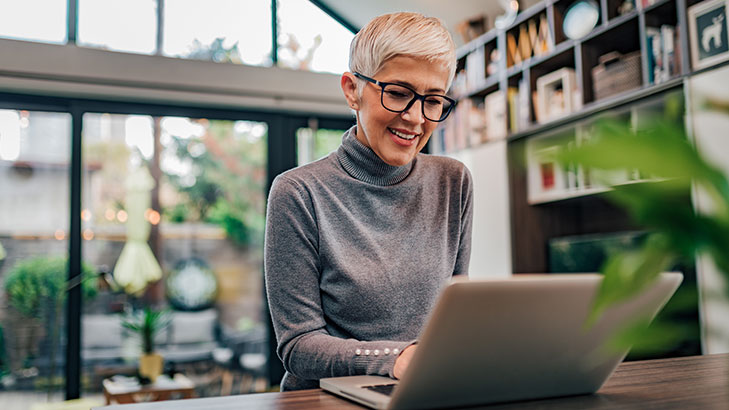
349, 88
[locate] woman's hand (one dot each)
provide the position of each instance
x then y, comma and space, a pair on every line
402, 361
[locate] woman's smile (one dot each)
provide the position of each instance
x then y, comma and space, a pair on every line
402, 137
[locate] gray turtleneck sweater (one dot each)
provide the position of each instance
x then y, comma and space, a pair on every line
356, 253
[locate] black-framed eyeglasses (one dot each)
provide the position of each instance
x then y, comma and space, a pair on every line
399, 98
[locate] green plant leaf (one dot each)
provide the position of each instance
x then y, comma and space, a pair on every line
627, 273
33, 283
147, 323
643, 337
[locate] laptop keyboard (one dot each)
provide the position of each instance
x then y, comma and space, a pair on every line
385, 389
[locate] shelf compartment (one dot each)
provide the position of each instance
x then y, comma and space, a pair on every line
531, 37
563, 89
618, 8
623, 38
546, 178
655, 4
560, 9
661, 13
662, 43
594, 108
550, 182
476, 70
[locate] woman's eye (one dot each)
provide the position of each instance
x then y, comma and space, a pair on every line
433, 101
397, 94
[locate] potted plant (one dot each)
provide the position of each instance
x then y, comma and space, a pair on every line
35, 290
147, 324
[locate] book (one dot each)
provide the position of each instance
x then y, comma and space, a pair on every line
459, 87
650, 60
677, 47
496, 116
525, 43
461, 127
653, 35
523, 102
475, 68
512, 96
668, 38
512, 52
537, 108
534, 37
544, 36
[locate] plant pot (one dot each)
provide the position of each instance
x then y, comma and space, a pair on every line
23, 335
150, 366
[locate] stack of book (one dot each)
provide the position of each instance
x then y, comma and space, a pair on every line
495, 114
664, 56
475, 69
459, 88
518, 98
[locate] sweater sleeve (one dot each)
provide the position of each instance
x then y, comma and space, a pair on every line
292, 271
464, 248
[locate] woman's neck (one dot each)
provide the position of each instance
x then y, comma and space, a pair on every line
362, 163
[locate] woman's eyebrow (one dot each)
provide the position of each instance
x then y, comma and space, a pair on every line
407, 84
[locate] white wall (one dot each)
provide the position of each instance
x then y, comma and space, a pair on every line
491, 250
709, 129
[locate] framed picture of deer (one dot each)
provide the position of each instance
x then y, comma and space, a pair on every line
708, 33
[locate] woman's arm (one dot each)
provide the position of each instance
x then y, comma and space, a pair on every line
292, 267
464, 248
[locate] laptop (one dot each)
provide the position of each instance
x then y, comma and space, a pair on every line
489, 341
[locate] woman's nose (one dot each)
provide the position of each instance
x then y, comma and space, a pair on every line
414, 114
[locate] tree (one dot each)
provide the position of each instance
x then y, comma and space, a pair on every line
226, 182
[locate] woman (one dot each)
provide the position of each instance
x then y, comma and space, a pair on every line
359, 243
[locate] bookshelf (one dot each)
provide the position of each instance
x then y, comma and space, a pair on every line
547, 202
507, 93
654, 31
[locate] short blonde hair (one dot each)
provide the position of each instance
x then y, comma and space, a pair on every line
401, 34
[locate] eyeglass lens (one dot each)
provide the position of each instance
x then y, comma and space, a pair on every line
396, 98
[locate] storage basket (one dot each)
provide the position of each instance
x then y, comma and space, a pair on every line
616, 73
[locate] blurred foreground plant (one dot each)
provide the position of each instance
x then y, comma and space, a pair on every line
678, 232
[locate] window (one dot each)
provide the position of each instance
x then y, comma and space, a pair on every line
24, 20
204, 225
34, 176
119, 25
218, 30
309, 39
312, 144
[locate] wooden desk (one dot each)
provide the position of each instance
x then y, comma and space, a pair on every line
164, 388
699, 382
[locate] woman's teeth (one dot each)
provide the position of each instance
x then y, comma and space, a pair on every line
401, 135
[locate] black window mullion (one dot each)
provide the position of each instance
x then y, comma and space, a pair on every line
160, 26
274, 32
73, 306
336, 16
72, 21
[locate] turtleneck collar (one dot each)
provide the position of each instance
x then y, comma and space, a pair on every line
362, 163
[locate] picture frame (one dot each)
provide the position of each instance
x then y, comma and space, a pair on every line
556, 94
708, 33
